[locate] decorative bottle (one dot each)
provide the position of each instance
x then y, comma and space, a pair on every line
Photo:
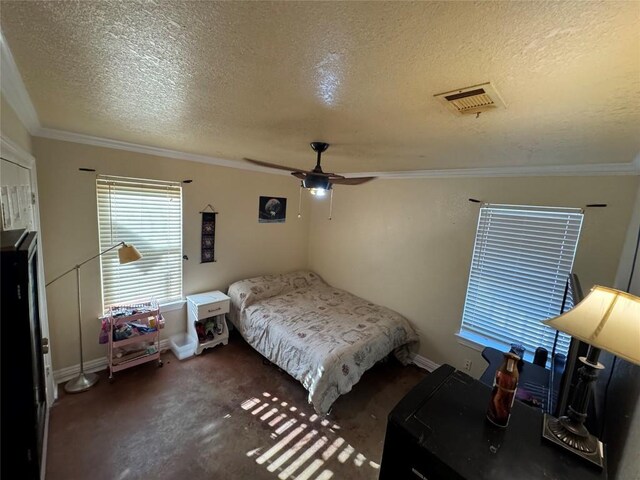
503, 394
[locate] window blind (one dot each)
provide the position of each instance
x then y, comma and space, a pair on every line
522, 258
148, 215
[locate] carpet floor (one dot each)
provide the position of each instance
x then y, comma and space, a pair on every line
225, 414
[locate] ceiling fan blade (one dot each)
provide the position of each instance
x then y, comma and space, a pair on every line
300, 175
270, 165
352, 181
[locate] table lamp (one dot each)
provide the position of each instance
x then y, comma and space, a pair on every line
126, 254
606, 319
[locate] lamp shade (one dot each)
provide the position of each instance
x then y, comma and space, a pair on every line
128, 254
607, 319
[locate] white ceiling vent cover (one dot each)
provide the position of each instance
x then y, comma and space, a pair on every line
471, 100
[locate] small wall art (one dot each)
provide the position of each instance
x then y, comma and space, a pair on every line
272, 210
208, 239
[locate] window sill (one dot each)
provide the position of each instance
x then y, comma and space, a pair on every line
462, 340
172, 306
164, 308
478, 343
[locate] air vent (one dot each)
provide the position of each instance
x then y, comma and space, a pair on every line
472, 100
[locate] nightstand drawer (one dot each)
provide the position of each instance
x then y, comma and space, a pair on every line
211, 309
209, 304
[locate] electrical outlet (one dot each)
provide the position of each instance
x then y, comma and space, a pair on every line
467, 365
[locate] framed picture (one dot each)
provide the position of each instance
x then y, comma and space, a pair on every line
272, 210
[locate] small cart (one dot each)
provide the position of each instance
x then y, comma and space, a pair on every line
134, 335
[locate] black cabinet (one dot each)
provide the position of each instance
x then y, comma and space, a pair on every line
438, 431
23, 406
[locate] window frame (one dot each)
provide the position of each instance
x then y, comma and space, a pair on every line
169, 303
474, 339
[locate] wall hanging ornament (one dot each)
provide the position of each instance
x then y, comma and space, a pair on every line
208, 240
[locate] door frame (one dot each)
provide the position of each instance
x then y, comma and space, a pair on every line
11, 152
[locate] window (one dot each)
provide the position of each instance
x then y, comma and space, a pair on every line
522, 258
148, 215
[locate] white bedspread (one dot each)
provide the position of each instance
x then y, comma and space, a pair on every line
324, 337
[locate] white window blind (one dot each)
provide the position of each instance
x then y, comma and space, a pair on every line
522, 258
148, 215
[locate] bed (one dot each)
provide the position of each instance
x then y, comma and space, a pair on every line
322, 336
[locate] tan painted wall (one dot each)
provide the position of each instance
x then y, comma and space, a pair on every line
12, 128
70, 231
630, 455
407, 244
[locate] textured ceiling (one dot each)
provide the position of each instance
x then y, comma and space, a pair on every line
261, 80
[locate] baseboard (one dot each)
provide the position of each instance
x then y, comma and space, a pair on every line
96, 365
423, 362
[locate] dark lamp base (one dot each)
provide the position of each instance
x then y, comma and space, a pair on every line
584, 445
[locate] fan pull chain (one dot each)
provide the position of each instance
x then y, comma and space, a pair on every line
331, 204
300, 203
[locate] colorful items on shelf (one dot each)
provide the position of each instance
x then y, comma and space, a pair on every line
208, 328
124, 354
123, 311
133, 335
129, 329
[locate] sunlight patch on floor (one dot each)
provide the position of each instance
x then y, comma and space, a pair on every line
280, 445
302, 459
259, 409
325, 475
277, 420
254, 452
302, 451
125, 473
270, 413
249, 404
282, 459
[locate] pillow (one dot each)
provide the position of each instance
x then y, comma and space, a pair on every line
247, 292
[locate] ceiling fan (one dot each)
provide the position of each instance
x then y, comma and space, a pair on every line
317, 181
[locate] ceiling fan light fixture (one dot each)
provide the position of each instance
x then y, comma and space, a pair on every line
318, 192
317, 182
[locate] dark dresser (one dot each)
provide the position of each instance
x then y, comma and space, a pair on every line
23, 408
438, 431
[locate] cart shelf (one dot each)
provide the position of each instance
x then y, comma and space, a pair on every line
145, 316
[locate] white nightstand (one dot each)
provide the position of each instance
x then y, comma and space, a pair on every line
206, 307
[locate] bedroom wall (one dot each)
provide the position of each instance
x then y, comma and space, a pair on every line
12, 128
407, 244
622, 416
244, 248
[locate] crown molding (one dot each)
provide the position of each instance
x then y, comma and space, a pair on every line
600, 169
12, 152
596, 169
148, 150
13, 88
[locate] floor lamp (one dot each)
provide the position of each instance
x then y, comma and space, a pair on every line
126, 254
606, 319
